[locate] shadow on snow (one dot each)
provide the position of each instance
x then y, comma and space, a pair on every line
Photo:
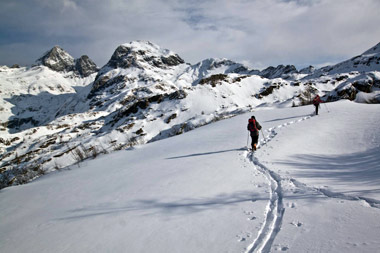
286, 118
361, 167
207, 153
31, 111
175, 207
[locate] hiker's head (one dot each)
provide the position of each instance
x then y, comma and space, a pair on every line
253, 117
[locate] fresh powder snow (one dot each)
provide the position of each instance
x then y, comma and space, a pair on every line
312, 186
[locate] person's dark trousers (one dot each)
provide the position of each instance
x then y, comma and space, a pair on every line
316, 109
255, 139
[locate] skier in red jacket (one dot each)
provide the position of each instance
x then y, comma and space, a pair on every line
316, 101
254, 127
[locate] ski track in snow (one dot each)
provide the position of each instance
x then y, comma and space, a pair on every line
275, 208
330, 194
274, 211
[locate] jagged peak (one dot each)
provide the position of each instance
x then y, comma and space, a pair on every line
135, 53
55, 53
275, 72
57, 59
54, 49
215, 63
85, 66
218, 61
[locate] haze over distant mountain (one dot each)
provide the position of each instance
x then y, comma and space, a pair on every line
63, 110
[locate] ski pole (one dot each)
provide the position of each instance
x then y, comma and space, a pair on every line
247, 139
327, 108
262, 134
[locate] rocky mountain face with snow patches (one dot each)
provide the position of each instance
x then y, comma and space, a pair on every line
59, 60
65, 110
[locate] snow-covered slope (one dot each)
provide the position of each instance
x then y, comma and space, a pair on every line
311, 187
356, 79
144, 93
366, 62
209, 67
32, 97
53, 115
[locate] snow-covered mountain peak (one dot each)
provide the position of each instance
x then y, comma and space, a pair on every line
57, 59
147, 46
143, 54
138, 64
222, 63
213, 66
283, 71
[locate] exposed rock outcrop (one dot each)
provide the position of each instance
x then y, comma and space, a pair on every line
282, 71
59, 60
139, 53
85, 66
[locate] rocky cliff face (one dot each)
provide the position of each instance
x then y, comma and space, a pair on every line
84, 66
280, 71
59, 60
139, 54
139, 63
356, 79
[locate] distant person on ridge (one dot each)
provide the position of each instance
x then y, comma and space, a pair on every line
253, 128
316, 101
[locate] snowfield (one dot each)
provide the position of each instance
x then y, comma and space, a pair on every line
312, 186
64, 110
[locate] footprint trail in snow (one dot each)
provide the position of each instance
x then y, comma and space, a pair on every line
275, 209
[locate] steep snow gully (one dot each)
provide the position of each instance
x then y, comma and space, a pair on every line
275, 208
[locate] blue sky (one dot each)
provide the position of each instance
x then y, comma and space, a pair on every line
258, 33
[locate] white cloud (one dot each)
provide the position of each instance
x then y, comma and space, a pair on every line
69, 5
262, 32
